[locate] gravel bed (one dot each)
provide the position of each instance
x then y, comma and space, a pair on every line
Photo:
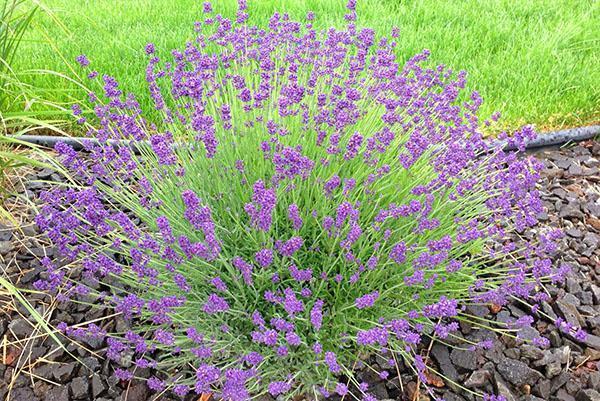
34, 368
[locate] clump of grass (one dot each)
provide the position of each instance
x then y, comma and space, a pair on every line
15, 17
308, 201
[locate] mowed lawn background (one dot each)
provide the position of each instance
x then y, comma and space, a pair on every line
535, 61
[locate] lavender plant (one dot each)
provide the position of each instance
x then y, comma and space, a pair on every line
305, 202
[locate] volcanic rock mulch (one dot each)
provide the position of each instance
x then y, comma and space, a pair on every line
34, 368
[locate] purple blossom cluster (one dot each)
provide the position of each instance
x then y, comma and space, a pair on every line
366, 189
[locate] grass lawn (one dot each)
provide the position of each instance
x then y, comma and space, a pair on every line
535, 61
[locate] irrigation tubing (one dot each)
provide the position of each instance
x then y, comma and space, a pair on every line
544, 140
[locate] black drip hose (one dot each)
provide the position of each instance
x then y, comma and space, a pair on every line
556, 138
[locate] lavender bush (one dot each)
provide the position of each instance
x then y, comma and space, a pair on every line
305, 202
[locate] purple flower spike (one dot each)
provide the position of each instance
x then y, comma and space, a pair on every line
367, 300
331, 361
294, 216
244, 268
264, 257
316, 314
82, 60
215, 304
280, 387
261, 208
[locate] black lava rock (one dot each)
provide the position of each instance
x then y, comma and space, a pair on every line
517, 372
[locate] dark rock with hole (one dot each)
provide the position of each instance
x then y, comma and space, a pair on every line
91, 363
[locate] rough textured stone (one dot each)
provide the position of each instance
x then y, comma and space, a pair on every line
570, 313
572, 210
572, 285
562, 395
138, 391
543, 389
63, 372
573, 386
23, 394
596, 293
91, 363
593, 341
553, 369
98, 386
594, 380
79, 388
531, 352
379, 391
549, 311
58, 394
531, 398
20, 328
449, 396
587, 395
512, 353
503, 390
478, 378
559, 381
555, 338
517, 372
442, 356
5, 247
464, 358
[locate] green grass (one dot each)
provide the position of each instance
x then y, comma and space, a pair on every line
535, 61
